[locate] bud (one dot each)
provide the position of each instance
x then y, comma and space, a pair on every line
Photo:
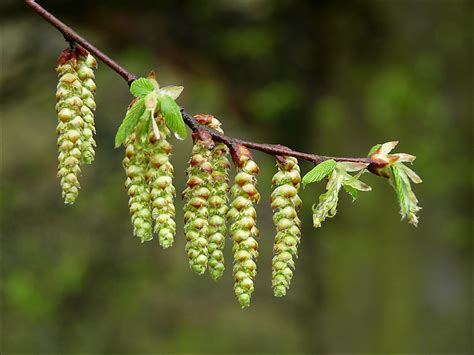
285, 204
391, 166
243, 216
160, 183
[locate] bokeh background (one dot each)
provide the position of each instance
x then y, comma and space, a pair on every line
327, 77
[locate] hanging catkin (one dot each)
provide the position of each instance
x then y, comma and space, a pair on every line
285, 203
86, 64
243, 215
218, 199
72, 130
160, 181
196, 196
135, 164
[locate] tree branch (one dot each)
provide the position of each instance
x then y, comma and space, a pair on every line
72, 35
272, 149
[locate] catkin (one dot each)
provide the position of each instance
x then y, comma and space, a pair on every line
218, 200
196, 196
70, 126
243, 230
160, 181
74, 106
86, 64
285, 203
135, 165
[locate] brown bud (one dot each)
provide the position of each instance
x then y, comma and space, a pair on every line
240, 154
203, 137
204, 119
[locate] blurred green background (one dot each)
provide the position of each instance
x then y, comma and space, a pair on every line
327, 77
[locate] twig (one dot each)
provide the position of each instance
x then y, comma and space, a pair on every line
272, 149
72, 35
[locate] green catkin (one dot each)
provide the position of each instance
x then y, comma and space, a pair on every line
285, 203
218, 200
196, 196
75, 105
70, 126
86, 65
243, 231
160, 181
135, 165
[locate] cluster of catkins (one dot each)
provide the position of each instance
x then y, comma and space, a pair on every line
206, 211
207, 207
149, 184
209, 201
75, 108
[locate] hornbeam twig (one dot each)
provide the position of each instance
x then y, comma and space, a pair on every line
272, 149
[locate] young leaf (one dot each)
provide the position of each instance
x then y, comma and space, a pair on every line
404, 157
358, 185
398, 186
319, 172
351, 166
354, 182
411, 174
173, 91
406, 198
170, 110
351, 191
141, 87
327, 205
130, 121
373, 149
387, 147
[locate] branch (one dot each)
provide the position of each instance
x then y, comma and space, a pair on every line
272, 149
72, 35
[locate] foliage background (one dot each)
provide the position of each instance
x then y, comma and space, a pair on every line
330, 77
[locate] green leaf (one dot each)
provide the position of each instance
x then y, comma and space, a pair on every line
388, 147
327, 206
130, 121
398, 186
141, 87
319, 172
373, 149
406, 198
357, 184
351, 191
351, 166
410, 173
171, 90
170, 110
